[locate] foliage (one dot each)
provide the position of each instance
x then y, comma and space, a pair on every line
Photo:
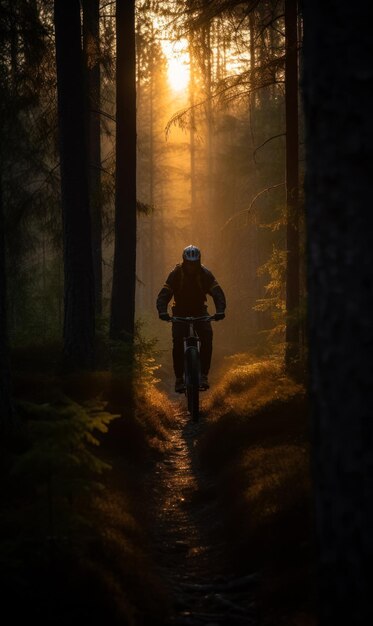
138, 359
73, 543
49, 486
28, 153
60, 464
274, 302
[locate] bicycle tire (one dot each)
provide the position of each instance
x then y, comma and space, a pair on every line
192, 383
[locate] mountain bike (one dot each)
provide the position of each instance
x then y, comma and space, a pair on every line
192, 365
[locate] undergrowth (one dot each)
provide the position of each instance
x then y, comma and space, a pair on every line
256, 443
74, 522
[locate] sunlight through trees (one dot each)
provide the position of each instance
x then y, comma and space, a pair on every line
130, 129
211, 166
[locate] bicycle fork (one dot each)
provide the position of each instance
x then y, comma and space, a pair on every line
192, 360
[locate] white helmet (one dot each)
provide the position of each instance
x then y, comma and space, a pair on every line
191, 253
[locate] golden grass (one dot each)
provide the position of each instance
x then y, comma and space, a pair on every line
248, 385
256, 443
120, 565
277, 477
156, 413
123, 516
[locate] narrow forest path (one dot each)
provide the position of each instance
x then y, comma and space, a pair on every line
188, 546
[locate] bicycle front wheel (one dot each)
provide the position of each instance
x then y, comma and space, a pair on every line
192, 383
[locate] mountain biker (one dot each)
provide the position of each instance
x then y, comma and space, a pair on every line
189, 283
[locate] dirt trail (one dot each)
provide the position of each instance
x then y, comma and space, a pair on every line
188, 547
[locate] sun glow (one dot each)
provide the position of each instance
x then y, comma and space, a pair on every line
176, 53
178, 74
177, 56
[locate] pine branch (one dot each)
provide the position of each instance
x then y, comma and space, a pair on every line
233, 217
265, 142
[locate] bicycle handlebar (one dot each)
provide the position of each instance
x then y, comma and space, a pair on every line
202, 318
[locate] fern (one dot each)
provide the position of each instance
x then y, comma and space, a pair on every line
63, 431
137, 359
60, 469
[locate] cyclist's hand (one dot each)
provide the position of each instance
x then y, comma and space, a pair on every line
165, 317
219, 316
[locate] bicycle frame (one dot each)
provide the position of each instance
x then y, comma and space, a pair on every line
192, 369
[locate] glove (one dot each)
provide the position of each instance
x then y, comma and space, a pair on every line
219, 316
164, 316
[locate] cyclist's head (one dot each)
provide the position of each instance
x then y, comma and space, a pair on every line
191, 259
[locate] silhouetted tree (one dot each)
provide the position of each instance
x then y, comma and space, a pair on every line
5, 395
79, 322
91, 47
292, 184
337, 84
22, 48
124, 273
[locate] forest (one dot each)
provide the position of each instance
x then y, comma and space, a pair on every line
131, 130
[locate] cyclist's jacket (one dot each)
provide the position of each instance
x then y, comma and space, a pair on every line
189, 292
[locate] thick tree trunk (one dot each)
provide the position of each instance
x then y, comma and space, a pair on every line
5, 393
292, 186
91, 48
122, 321
337, 82
79, 318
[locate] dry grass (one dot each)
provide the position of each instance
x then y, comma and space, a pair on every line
248, 385
257, 445
156, 414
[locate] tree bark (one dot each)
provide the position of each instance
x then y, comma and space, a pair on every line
292, 186
79, 308
337, 85
151, 260
6, 411
91, 48
192, 138
122, 323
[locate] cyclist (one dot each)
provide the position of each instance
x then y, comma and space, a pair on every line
189, 283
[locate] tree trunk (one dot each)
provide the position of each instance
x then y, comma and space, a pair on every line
79, 309
252, 58
91, 48
5, 393
209, 124
292, 186
337, 82
192, 139
122, 321
152, 234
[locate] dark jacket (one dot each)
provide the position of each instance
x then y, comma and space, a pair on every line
189, 292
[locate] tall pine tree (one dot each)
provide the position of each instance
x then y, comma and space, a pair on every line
91, 48
79, 309
122, 323
292, 185
5, 397
337, 85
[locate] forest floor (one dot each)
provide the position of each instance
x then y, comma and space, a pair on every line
187, 539
229, 512
206, 524
233, 529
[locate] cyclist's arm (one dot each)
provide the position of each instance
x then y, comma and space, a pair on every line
218, 296
165, 296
